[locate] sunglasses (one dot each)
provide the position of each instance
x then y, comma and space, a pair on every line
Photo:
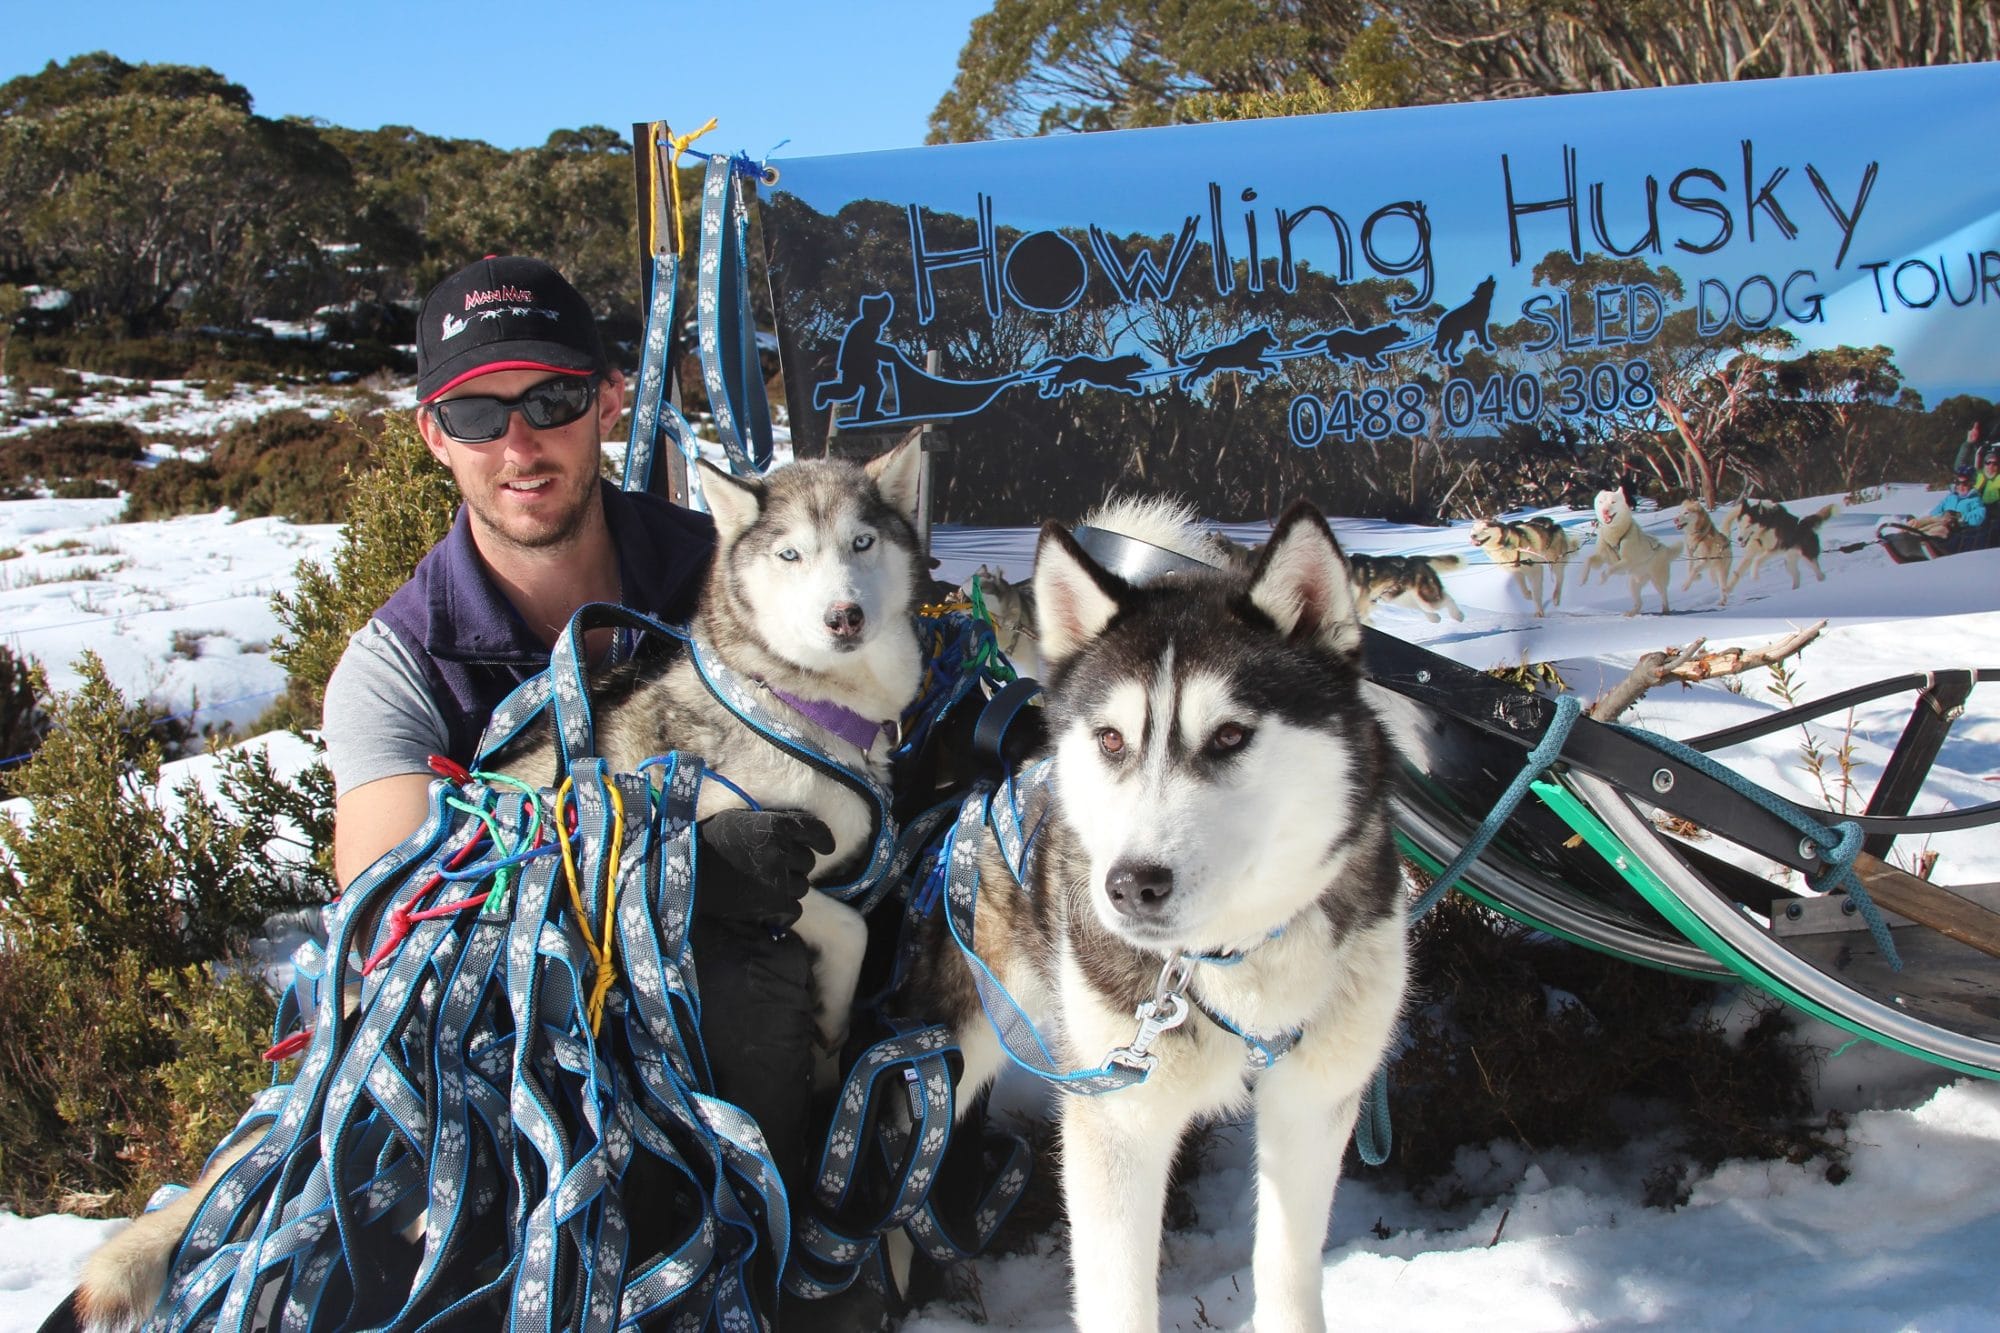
552, 403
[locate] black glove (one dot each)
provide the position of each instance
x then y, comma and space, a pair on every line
753, 864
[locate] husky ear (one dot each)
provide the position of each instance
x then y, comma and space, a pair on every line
733, 502
898, 474
1301, 583
1074, 597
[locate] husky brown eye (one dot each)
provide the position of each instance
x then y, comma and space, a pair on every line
1111, 741
1229, 736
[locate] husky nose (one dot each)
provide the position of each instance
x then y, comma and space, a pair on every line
1137, 887
844, 619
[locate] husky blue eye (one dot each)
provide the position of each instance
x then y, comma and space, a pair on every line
788, 554
864, 541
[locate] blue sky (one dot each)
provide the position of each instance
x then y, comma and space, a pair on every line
832, 76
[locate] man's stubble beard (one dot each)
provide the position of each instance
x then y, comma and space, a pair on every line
488, 511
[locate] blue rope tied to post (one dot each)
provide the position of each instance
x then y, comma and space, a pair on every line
1372, 1132
1838, 845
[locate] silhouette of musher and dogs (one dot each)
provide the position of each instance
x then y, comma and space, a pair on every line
884, 386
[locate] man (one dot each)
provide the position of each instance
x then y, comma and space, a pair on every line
515, 396
1973, 446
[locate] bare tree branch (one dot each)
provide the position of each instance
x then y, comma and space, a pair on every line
1691, 664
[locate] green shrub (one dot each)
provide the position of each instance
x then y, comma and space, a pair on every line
210, 1074
245, 357
69, 1042
71, 452
123, 1055
170, 487
63, 384
398, 509
106, 354
85, 488
287, 463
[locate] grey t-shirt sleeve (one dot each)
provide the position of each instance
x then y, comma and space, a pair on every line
379, 719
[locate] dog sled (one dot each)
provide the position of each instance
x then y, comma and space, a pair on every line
1860, 943
1909, 541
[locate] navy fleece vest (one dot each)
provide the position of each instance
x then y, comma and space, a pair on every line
473, 644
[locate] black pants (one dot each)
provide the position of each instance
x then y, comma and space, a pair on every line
757, 1024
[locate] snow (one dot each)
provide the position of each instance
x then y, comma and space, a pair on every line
180, 611
1549, 1239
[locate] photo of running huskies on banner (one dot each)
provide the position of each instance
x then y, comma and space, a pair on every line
1716, 350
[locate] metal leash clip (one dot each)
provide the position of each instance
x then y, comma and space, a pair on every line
1167, 1010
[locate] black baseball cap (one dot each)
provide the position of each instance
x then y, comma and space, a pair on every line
504, 312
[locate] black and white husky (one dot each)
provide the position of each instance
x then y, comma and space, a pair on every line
1769, 531
811, 595
1218, 793
1412, 581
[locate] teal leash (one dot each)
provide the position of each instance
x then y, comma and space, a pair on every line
1373, 1134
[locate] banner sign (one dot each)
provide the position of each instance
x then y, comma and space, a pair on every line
1789, 288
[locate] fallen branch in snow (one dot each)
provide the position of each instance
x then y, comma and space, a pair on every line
1691, 664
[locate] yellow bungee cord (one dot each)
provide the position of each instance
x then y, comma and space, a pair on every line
600, 951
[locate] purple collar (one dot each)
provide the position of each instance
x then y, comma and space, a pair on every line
842, 721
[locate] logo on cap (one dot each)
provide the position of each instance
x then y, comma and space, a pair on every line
512, 295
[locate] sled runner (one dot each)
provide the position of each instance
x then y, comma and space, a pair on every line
1869, 947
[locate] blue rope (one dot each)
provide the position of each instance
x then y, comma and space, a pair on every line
1838, 846
1539, 758
1373, 1134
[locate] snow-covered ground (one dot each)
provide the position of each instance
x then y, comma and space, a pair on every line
1553, 1240
180, 611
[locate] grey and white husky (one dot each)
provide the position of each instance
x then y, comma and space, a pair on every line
812, 591
1218, 787
1524, 548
